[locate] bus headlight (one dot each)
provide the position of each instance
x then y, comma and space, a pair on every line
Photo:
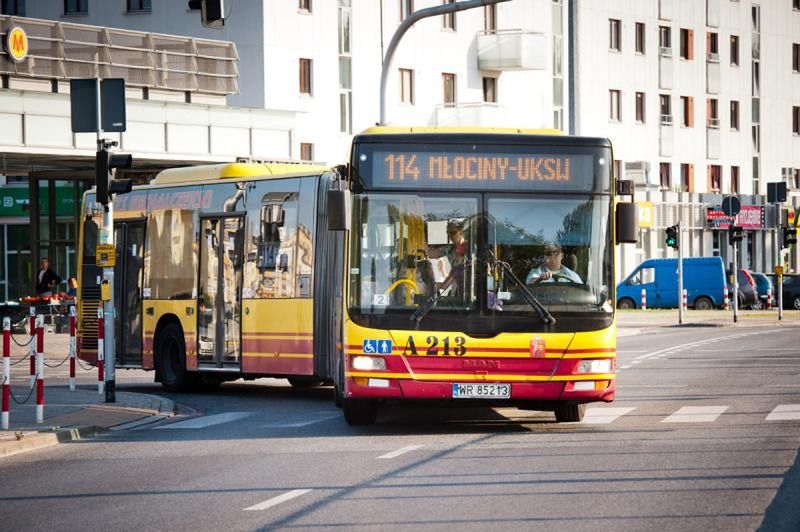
594, 366
368, 363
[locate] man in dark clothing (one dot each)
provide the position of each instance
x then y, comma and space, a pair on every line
46, 279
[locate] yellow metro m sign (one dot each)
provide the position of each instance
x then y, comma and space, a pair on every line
17, 44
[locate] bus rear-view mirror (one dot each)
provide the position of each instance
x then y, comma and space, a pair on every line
338, 210
627, 223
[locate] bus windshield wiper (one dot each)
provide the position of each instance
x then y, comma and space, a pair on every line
540, 309
431, 302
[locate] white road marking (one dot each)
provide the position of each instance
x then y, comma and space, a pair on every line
597, 416
676, 348
626, 366
695, 414
398, 452
784, 413
206, 421
269, 503
305, 423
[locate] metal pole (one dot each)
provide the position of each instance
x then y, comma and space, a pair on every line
680, 274
735, 284
108, 309
779, 262
409, 21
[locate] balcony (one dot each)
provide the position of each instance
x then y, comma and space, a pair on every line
472, 114
712, 13
712, 140
665, 69
512, 50
666, 137
712, 75
665, 9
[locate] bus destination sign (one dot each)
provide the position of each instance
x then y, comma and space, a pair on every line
508, 171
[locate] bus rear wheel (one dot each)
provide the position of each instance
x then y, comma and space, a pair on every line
171, 358
570, 412
359, 411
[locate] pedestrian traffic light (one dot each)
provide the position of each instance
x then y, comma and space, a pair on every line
673, 237
735, 234
105, 165
789, 236
212, 12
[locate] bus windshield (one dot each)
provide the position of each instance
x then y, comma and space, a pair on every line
477, 257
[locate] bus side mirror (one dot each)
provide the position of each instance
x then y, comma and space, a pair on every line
627, 223
338, 210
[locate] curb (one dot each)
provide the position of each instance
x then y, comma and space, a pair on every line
30, 441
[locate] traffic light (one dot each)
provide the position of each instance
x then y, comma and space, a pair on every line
789, 236
735, 234
673, 237
105, 164
212, 12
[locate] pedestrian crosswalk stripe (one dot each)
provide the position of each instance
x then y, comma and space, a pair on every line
784, 413
695, 414
597, 416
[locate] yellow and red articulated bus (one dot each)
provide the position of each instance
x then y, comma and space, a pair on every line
222, 272
479, 269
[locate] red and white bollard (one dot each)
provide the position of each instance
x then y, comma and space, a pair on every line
40, 369
644, 299
685, 298
72, 352
726, 305
32, 348
101, 349
769, 299
6, 370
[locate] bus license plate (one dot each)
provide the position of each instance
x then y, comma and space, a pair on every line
481, 391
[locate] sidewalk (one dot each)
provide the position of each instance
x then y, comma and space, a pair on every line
69, 415
631, 321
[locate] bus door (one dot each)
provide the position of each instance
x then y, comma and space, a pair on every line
129, 239
219, 315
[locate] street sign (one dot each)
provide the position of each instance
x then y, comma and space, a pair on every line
105, 255
776, 192
778, 270
731, 205
83, 105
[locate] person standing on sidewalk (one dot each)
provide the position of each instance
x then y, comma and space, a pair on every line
46, 279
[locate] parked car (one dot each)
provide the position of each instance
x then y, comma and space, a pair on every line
703, 279
791, 290
747, 288
763, 287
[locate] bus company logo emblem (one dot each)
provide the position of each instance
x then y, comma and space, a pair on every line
537, 347
377, 347
17, 44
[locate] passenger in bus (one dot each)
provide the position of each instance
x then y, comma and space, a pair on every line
552, 270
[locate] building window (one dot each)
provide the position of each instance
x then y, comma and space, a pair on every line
449, 85
76, 7
305, 76
734, 50
490, 18
734, 115
406, 86
665, 109
406, 8
614, 35
640, 39
13, 7
615, 97
304, 6
687, 44
640, 107
346, 112
712, 47
490, 90
714, 178
306, 151
665, 40
796, 57
734, 179
796, 120
664, 170
449, 19
687, 177
687, 108
712, 109
137, 6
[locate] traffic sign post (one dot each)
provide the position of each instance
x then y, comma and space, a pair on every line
731, 207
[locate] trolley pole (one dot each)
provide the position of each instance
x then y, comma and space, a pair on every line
680, 275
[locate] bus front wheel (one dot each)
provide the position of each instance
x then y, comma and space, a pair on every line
570, 412
171, 358
359, 411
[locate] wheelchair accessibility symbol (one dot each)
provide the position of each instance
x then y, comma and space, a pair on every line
379, 347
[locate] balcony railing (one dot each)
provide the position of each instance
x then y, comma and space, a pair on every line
665, 51
63, 51
512, 50
666, 120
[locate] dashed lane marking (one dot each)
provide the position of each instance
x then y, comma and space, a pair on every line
695, 414
598, 416
398, 452
784, 413
269, 503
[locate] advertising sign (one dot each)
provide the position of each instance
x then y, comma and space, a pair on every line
749, 217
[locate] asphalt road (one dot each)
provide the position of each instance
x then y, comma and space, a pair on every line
704, 435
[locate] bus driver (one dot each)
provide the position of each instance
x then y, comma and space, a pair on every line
552, 270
